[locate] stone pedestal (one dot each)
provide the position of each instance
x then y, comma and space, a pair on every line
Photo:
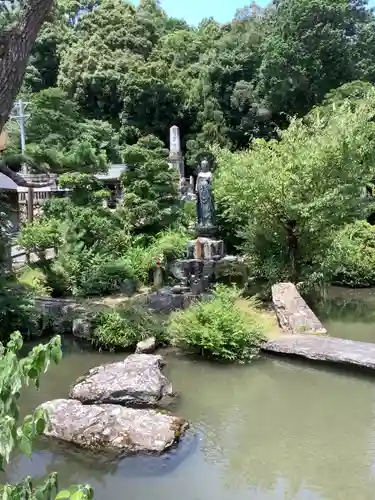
204, 248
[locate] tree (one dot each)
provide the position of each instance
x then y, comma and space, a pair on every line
310, 47
150, 187
14, 374
287, 197
117, 73
16, 44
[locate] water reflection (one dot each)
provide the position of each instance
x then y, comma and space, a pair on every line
274, 430
276, 421
348, 314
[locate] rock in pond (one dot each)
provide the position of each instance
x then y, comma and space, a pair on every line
293, 314
82, 328
112, 428
146, 346
137, 381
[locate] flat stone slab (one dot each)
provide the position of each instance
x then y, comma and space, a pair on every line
329, 349
112, 428
293, 314
137, 381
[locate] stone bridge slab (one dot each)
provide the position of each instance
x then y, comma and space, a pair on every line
323, 348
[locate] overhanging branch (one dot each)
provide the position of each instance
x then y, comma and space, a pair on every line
20, 180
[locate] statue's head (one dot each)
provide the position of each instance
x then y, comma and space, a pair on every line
205, 166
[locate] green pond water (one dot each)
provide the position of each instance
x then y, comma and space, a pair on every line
274, 430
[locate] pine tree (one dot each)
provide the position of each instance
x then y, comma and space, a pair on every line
150, 185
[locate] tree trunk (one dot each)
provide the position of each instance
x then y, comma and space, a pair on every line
15, 49
291, 229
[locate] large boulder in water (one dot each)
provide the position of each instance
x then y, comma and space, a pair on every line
137, 381
112, 428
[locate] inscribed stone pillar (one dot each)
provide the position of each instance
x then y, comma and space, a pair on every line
175, 153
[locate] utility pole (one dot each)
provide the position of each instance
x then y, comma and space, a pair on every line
18, 114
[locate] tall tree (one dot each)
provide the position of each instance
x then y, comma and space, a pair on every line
150, 185
16, 43
287, 197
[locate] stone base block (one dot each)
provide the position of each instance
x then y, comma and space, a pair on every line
204, 248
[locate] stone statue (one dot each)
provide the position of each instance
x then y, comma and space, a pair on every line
205, 200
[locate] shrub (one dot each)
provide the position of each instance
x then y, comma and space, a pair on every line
57, 279
170, 244
35, 279
40, 236
165, 246
111, 332
141, 261
219, 328
17, 310
150, 186
351, 258
105, 278
86, 271
122, 328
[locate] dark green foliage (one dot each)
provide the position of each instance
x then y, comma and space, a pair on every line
101, 78
17, 310
219, 328
35, 278
106, 277
150, 187
143, 253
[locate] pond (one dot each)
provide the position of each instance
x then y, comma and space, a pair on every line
274, 430
348, 313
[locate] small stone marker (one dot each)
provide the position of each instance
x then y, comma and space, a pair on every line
158, 277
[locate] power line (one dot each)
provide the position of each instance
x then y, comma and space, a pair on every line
18, 114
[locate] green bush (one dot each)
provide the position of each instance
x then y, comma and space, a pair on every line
112, 332
39, 236
35, 279
219, 328
105, 278
17, 310
57, 279
169, 244
140, 260
188, 214
122, 328
86, 271
165, 246
351, 258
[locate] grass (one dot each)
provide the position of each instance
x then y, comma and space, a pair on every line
267, 317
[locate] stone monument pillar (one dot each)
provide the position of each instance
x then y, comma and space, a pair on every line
175, 153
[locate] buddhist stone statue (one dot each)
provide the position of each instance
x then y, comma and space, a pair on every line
205, 200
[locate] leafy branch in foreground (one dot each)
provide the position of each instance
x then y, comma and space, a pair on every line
15, 373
